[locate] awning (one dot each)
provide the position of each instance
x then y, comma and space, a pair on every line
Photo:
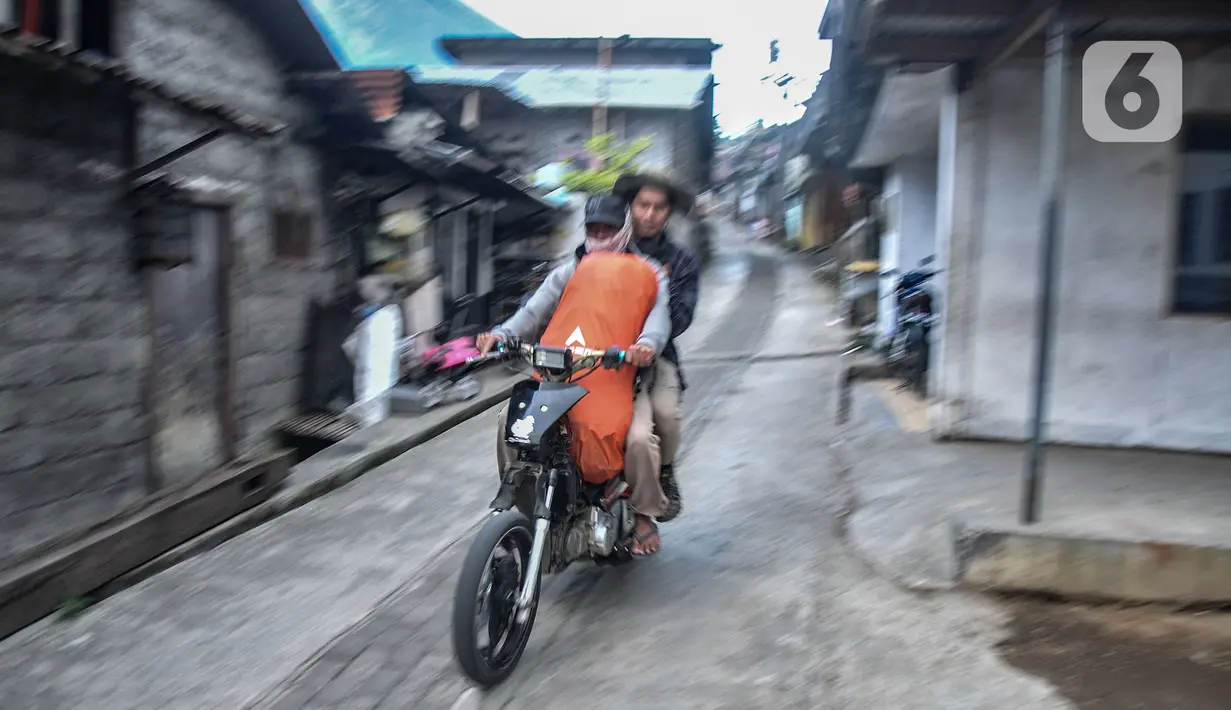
905, 118
460, 168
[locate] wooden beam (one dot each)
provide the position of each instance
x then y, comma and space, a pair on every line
1026, 27
170, 157
1081, 10
940, 50
1087, 10
888, 50
951, 8
38, 582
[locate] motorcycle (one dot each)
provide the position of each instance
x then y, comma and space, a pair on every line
544, 518
443, 372
909, 349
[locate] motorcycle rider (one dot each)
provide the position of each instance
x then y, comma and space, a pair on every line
652, 199
606, 230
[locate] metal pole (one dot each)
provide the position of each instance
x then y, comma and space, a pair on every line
600, 108
1055, 88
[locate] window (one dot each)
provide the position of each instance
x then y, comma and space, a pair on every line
83, 23
292, 235
1203, 250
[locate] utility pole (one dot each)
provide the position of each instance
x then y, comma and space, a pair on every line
1055, 89
604, 89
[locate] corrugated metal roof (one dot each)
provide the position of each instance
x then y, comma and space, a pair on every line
560, 87
379, 33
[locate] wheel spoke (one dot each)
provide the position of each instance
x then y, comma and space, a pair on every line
496, 608
488, 638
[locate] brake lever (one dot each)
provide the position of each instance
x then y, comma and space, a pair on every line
612, 358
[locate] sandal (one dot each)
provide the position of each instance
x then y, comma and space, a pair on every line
643, 538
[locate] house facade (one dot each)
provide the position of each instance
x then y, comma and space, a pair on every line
465, 205
1142, 305
165, 228
532, 101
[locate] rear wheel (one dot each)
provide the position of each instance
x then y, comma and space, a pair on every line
487, 638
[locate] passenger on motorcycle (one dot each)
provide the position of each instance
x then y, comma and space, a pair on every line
606, 230
652, 199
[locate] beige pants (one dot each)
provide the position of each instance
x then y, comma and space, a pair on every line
665, 403
641, 451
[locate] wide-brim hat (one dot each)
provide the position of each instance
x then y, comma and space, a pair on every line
680, 196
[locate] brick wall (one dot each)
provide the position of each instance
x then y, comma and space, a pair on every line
73, 345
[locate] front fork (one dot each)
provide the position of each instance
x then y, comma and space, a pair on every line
542, 521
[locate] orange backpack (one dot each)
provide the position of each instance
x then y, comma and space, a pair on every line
605, 304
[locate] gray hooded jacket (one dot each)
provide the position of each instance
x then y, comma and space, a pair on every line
531, 319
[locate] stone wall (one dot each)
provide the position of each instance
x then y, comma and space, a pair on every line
203, 47
73, 340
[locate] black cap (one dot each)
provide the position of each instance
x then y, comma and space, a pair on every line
605, 209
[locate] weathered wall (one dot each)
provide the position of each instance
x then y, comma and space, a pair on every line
73, 344
202, 47
1126, 371
75, 339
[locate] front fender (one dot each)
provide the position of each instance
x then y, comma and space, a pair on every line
535, 408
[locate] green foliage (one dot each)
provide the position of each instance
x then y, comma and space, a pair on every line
613, 161
75, 606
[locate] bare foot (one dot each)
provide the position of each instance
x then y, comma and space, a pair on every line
645, 537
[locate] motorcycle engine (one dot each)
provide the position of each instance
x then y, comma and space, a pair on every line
596, 531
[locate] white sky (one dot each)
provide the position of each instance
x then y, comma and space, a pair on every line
743, 28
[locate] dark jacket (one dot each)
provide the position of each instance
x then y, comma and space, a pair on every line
684, 282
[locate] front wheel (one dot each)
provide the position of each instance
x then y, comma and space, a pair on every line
487, 638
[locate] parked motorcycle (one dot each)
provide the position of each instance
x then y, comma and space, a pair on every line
546, 516
909, 349
444, 372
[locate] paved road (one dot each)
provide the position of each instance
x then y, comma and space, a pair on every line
390, 662
752, 603
225, 627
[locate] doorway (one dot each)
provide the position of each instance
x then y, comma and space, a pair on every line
190, 397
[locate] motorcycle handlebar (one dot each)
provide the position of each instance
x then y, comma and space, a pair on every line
583, 358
